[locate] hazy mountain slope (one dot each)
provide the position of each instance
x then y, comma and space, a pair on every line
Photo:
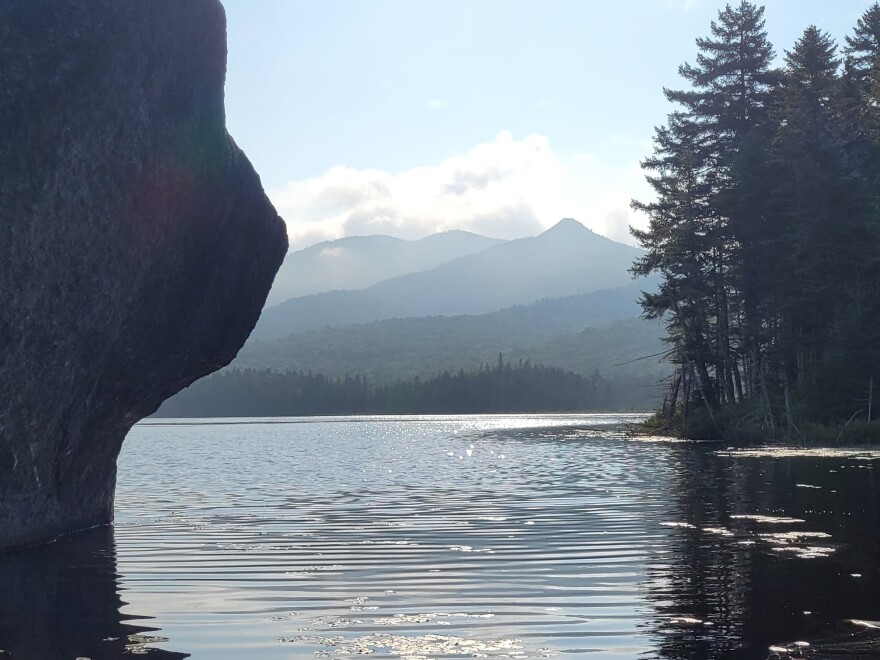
402, 348
360, 261
629, 346
565, 260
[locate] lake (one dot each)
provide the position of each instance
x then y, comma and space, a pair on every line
521, 536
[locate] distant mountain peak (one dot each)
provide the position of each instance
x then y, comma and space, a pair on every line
569, 229
568, 225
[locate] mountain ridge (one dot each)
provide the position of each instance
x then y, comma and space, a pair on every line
566, 259
402, 348
357, 262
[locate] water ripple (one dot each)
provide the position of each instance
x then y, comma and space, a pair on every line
487, 537
506, 536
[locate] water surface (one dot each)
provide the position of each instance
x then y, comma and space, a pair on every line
502, 536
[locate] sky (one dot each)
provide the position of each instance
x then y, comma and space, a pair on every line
409, 117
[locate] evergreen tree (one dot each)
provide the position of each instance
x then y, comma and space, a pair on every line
679, 236
731, 84
727, 113
766, 227
812, 210
731, 97
863, 46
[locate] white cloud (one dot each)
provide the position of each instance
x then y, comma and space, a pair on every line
333, 252
505, 188
433, 104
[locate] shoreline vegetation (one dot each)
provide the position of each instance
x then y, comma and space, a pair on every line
765, 234
738, 429
499, 388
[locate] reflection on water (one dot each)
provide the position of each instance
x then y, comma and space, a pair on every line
512, 536
62, 601
793, 563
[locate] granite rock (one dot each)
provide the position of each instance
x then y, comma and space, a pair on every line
137, 246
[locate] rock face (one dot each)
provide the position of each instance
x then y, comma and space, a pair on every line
136, 244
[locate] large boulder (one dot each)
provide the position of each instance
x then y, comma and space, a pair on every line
136, 244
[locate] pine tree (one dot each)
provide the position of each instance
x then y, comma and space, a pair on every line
731, 97
677, 241
864, 46
812, 207
727, 113
766, 226
731, 83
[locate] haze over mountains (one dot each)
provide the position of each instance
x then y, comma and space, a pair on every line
357, 262
547, 332
565, 260
564, 298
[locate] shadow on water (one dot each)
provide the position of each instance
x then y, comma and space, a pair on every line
63, 600
733, 586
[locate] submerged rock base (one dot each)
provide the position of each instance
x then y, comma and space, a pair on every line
136, 244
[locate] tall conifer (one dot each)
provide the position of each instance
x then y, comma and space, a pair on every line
863, 47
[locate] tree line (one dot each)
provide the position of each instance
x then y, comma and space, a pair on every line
765, 230
498, 388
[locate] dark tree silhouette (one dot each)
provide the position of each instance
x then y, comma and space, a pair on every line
766, 230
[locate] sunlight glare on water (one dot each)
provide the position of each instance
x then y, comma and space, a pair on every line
435, 535
519, 536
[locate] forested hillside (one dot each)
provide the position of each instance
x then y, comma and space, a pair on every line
632, 347
502, 387
766, 230
550, 332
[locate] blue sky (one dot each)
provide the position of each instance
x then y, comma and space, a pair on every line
497, 116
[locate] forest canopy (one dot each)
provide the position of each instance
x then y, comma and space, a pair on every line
765, 230
498, 388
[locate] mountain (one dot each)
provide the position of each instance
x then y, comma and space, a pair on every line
357, 262
629, 346
565, 260
404, 348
